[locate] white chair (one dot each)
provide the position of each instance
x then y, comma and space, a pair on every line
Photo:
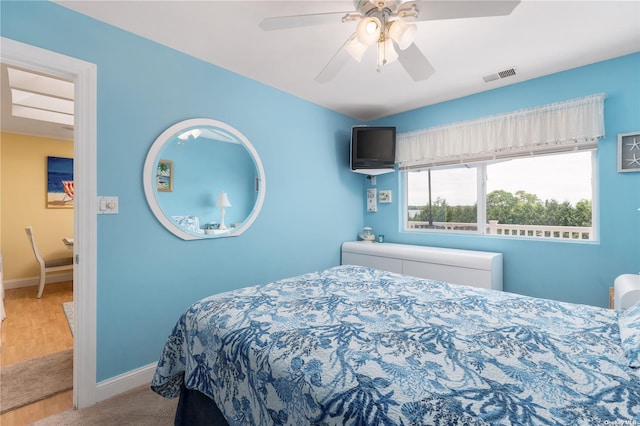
52, 265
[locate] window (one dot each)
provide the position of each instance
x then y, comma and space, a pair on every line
444, 199
527, 173
545, 196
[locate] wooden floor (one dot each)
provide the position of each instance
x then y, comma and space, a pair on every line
35, 327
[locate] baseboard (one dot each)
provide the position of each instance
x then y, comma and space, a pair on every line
125, 382
33, 281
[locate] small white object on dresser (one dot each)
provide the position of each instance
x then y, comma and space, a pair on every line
626, 291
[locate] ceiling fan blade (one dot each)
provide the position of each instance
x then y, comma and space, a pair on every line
294, 21
435, 10
336, 63
415, 63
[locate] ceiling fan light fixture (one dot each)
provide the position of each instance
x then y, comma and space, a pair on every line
402, 33
185, 136
368, 30
356, 49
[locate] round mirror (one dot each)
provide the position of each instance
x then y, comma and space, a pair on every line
203, 179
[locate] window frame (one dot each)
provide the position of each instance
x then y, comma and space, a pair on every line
481, 187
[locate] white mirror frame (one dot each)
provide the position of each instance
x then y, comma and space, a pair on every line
149, 172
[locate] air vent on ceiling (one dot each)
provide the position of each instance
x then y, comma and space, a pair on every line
500, 75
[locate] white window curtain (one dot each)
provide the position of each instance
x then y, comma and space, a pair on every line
565, 126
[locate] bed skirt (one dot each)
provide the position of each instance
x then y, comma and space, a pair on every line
197, 409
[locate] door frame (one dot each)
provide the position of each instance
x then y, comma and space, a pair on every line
84, 76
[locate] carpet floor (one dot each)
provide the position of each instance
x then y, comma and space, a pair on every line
67, 307
137, 407
26, 382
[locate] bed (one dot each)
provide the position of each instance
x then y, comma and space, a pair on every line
353, 345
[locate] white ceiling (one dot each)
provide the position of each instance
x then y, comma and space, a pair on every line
539, 38
26, 126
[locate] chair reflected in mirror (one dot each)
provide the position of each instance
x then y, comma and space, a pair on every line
46, 266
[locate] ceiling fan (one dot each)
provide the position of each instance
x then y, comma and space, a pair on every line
389, 25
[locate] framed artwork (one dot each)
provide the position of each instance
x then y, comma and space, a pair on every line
164, 176
384, 196
60, 183
629, 152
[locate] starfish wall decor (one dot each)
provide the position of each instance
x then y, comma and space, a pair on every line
629, 152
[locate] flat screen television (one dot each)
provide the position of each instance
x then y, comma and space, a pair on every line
373, 147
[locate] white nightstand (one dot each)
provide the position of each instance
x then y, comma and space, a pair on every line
626, 291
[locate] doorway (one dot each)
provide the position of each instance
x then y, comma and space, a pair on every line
84, 76
37, 157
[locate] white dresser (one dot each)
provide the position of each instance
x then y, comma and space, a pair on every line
467, 267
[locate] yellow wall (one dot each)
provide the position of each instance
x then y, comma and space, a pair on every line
1, 276
23, 191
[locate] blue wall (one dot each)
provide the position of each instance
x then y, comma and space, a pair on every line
570, 271
147, 276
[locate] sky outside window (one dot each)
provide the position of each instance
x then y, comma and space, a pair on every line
563, 177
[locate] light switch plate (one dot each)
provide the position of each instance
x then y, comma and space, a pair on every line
107, 205
372, 203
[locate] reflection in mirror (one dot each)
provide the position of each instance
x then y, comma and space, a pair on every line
204, 179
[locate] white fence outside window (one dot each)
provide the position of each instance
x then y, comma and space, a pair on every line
507, 230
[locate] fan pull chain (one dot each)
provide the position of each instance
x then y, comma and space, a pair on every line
382, 39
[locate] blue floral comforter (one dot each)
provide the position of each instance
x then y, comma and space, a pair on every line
357, 346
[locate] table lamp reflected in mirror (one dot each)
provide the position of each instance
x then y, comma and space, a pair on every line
223, 201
